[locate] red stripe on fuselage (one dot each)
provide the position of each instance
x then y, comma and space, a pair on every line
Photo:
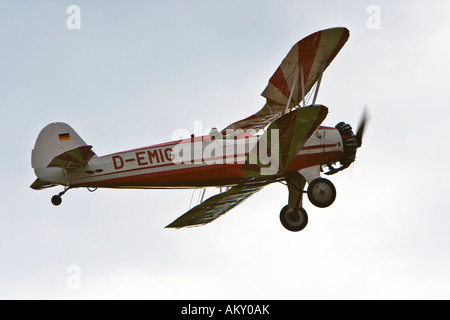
198, 175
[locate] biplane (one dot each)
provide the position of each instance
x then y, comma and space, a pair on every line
282, 142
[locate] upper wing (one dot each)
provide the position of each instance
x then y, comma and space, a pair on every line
304, 64
214, 207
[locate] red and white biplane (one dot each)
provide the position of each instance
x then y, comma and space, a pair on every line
293, 148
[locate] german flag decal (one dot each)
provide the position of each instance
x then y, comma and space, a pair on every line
64, 136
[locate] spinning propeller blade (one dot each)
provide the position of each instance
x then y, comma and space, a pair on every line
362, 124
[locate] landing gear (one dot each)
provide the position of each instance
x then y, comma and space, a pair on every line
293, 217
57, 199
321, 192
293, 221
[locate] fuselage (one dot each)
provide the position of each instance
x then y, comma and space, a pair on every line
193, 162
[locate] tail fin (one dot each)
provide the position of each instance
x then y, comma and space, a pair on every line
57, 147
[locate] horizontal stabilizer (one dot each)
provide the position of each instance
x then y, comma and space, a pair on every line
77, 157
216, 206
39, 184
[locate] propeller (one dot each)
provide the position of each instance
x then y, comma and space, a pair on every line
362, 124
351, 142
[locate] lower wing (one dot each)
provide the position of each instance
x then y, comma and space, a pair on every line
217, 205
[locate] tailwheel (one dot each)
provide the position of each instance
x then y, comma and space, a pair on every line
57, 198
321, 192
293, 221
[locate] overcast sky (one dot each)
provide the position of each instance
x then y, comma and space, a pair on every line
135, 72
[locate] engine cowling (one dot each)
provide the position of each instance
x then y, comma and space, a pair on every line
350, 142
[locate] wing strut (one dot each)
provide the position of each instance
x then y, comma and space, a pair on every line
303, 84
318, 85
293, 88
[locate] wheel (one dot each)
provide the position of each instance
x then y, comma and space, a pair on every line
321, 192
293, 221
56, 200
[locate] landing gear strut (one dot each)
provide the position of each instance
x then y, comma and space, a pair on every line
57, 199
293, 217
